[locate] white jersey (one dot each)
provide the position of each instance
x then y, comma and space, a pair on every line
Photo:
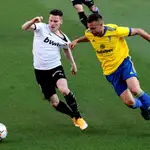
46, 47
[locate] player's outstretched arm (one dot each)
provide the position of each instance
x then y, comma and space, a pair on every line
141, 32
79, 40
29, 25
69, 56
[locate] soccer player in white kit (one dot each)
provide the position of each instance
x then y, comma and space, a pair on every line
47, 43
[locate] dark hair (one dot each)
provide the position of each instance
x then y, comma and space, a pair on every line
94, 17
56, 12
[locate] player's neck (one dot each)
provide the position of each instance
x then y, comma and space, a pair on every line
103, 30
59, 33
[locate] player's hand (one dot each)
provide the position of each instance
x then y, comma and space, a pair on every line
37, 19
72, 44
74, 69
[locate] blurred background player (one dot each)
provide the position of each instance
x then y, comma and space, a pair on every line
113, 53
78, 5
47, 43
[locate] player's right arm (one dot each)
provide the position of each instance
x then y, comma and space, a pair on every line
30, 25
79, 40
123, 31
141, 32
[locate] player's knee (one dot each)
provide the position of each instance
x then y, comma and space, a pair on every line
54, 100
135, 90
64, 90
54, 103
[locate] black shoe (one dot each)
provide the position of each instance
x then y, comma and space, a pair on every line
145, 114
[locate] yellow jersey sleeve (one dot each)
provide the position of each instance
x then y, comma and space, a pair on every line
123, 31
114, 30
88, 34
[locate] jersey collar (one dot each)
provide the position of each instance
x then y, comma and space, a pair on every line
105, 29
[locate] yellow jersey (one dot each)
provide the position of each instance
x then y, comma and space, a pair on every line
111, 48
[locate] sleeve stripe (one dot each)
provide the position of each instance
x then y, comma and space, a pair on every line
130, 31
34, 27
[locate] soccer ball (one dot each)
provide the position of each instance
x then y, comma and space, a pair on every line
3, 131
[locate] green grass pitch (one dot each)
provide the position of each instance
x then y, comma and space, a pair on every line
32, 123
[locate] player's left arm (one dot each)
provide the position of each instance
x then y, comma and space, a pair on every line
126, 31
30, 25
141, 32
70, 57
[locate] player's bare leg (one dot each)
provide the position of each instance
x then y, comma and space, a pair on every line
71, 101
128, 99
134, 103
134, 85
136, 90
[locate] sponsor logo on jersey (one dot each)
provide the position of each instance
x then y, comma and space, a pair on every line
47, 40
104, 51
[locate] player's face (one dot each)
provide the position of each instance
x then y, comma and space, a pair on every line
96, 27
54, 22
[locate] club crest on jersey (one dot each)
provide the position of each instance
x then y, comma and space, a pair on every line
47, 40
102, 46
109, 38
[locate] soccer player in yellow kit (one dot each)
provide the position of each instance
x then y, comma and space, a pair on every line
113, 53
